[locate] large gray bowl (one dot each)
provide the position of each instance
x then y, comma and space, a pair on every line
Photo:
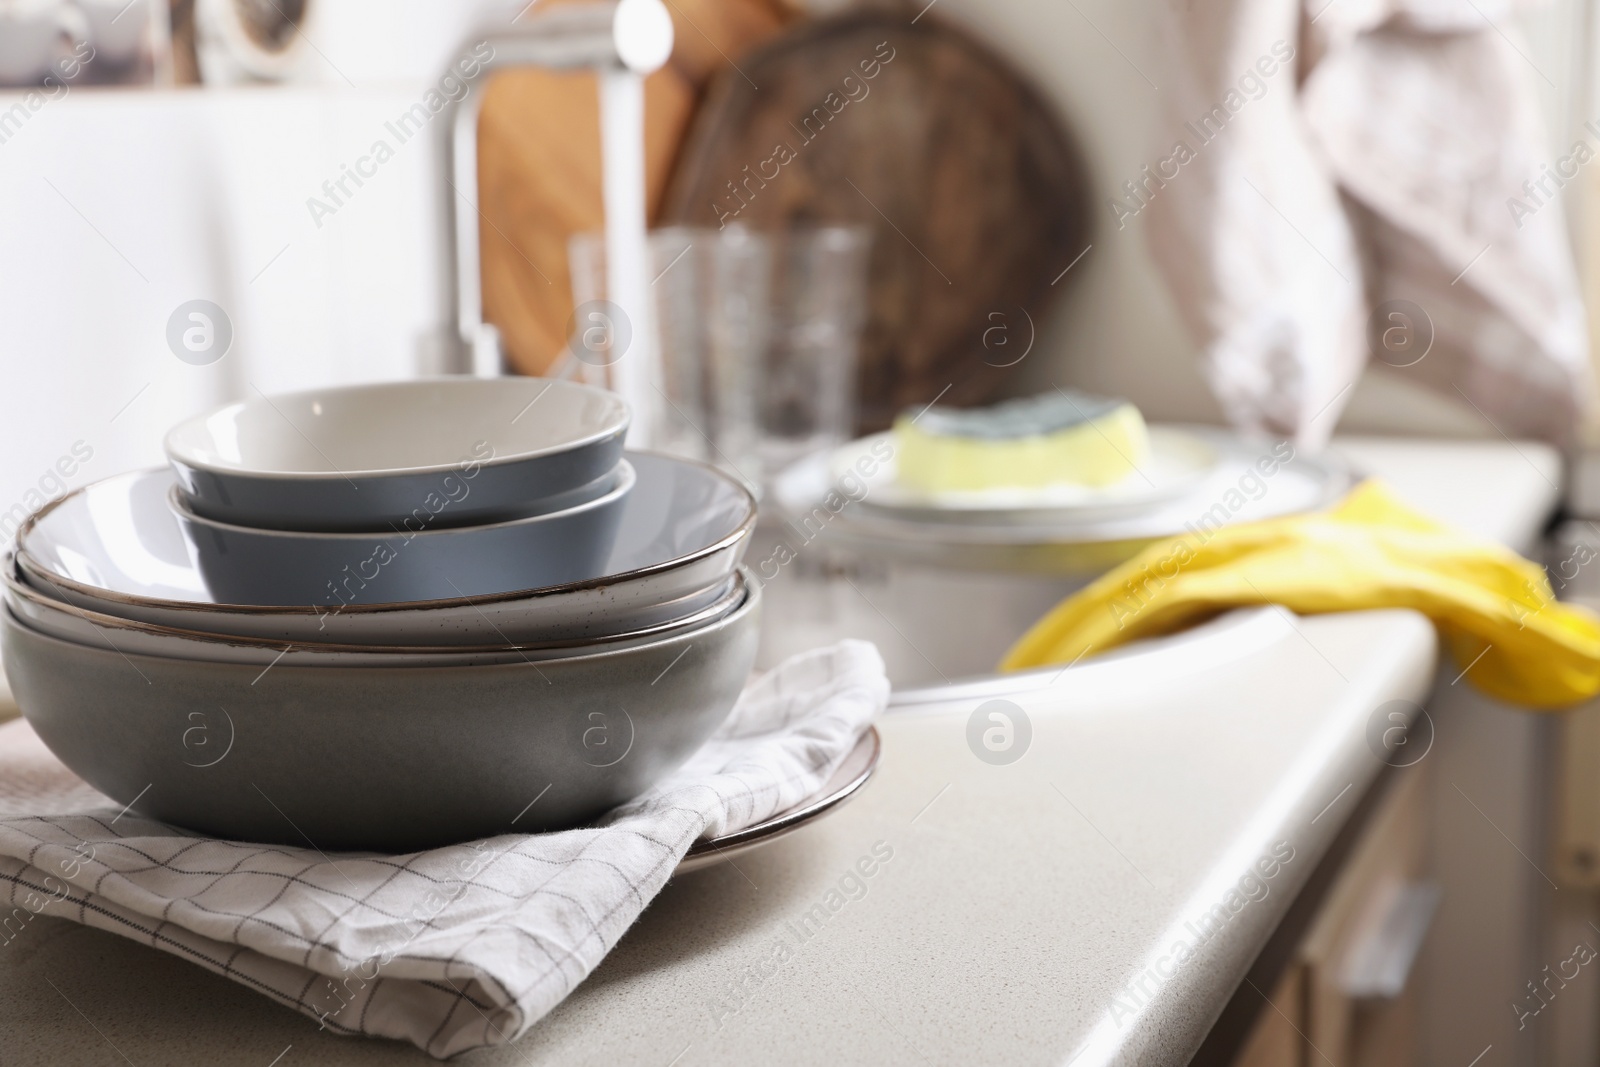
382, 759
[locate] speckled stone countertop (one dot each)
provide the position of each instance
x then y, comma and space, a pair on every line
956, 911
1031, 912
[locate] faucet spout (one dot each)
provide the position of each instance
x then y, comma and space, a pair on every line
606, 36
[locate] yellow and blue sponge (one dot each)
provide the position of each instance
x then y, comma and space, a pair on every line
1054, 439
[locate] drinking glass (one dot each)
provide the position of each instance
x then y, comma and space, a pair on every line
818, 300
758, 336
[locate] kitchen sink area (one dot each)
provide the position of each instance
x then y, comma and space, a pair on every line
682, 532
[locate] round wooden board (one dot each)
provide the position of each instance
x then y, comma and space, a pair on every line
976, 196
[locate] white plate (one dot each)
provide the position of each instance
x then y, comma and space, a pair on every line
1179, 461
847, 779
115, 547
1066, 542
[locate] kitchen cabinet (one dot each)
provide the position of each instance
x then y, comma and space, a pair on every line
1349, 995
1278, 1037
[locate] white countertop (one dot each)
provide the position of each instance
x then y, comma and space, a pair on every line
1501, 490
1015, 907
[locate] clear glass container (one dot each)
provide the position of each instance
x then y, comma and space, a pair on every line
758, 335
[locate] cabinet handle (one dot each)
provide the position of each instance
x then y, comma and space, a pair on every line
1380, 963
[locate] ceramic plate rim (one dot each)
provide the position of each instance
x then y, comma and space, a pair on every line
1334, 475
752, 601
727, 603
708, 852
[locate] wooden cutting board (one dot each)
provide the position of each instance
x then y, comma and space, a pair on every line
975, 194
539, 165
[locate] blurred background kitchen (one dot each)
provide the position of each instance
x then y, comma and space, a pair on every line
290, 193
132, 196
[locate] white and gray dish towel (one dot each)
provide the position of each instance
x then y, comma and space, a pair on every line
1344, 180
452, 949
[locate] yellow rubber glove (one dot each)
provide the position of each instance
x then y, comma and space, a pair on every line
1494, 609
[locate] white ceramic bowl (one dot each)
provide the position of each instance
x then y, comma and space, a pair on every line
115, 547
368, 457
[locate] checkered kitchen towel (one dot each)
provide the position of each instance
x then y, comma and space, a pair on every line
452, 949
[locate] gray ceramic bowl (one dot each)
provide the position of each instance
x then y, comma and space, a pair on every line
245, 565
367, 457
388, 760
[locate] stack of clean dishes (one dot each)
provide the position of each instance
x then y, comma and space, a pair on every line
386, 617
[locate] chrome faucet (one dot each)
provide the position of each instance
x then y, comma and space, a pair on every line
613, 35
